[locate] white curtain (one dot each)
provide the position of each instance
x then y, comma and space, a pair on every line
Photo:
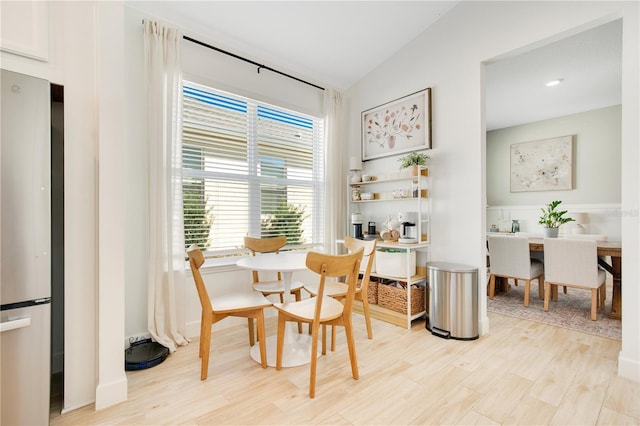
335, 211
166, 236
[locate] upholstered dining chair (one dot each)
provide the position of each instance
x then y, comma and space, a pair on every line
323, 310
268, 287
509, 258
574, 263
338, 290
248, 304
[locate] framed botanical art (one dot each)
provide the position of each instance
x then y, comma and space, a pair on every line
543, 165
399, 126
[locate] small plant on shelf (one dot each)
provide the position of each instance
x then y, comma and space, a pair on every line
413, 159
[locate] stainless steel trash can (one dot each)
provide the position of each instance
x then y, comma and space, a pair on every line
453, 300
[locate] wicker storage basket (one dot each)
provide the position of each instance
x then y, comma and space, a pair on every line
372, 292
395, 299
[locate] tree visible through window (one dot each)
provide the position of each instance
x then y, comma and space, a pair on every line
249, 169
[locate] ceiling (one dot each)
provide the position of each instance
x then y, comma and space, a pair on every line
330, 43
337, 43
590, 64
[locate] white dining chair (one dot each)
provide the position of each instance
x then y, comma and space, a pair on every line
509, 258
574, 263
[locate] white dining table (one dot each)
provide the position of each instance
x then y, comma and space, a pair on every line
297, 347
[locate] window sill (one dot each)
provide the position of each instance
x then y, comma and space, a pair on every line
226, 264
223, 264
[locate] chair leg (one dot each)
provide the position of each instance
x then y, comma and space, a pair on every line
527, 288
202, 331
541, 287
205, 344
492, 286
324, 339
351, 345
314, 360
594, 304
261, 339
367, 317
333, 338
299, 298
547, 294
280, 341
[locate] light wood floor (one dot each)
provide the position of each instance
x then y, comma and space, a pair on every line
521, 373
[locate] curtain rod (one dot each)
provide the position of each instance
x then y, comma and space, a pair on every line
260, 66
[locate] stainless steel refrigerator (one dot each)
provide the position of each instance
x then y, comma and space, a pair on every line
25, 231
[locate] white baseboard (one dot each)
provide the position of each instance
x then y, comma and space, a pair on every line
628, 368
483, 326
111, 393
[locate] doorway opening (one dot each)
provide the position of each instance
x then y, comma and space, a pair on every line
57, 249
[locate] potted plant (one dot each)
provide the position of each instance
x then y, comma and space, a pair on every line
552, 218
413, 159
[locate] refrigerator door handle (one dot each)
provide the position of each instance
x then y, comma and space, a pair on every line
13, 324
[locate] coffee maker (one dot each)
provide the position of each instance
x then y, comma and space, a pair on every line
356, 222
409, 231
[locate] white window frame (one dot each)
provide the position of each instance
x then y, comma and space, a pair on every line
253, 180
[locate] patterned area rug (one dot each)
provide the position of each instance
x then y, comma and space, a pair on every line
572, 310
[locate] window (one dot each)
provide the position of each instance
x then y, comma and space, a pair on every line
249, 169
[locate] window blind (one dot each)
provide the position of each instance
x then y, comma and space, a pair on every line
249, 169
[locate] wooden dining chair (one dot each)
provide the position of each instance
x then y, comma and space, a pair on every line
268, 287
338, 290
249, 305
574, 263
510, 259
323, 310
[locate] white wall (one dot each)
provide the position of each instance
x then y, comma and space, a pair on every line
449, 58
136, 172
210, 68
597, 160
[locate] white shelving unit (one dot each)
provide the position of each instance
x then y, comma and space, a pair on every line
391, 193
387, 197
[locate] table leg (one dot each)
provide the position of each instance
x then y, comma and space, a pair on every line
616, 302
297, 347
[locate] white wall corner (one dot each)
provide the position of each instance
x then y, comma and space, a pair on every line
629, 368
483, 326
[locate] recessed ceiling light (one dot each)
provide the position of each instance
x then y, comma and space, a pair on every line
555, 82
